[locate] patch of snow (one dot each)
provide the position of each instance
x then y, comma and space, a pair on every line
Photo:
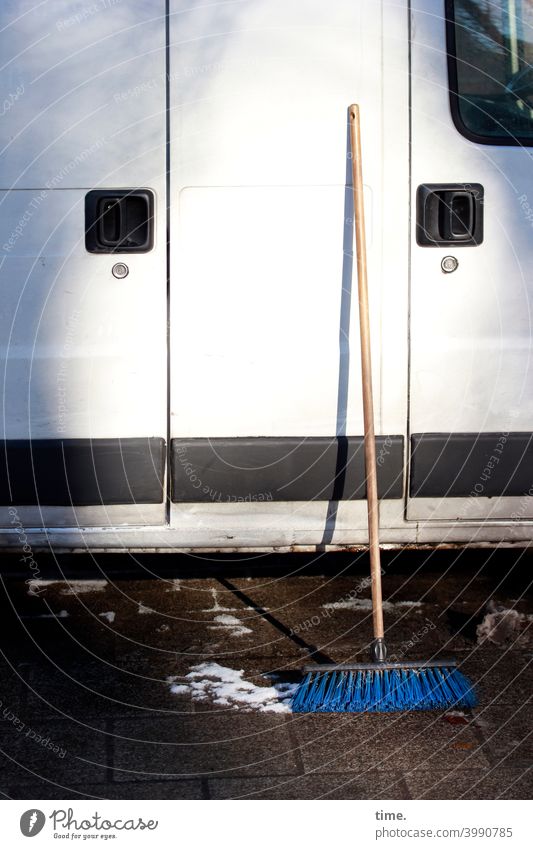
42, 582
224, 619
231, 624
217, 607
143, 608
228, 687
390, 605
110, 616
61, 615
81, 587
163, 628
366, 604
179, 689
174, 586
68, 587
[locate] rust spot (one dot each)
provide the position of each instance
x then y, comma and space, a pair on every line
462, 745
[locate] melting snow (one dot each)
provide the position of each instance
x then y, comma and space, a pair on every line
110, 615
231, 624
216, 606
68, 587
80, 587
174, 586
61, 615
179, 689
366, 604
228, 687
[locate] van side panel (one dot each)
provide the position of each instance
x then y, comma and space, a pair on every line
263, 295
82, 352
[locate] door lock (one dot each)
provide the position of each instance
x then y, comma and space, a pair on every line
449, 264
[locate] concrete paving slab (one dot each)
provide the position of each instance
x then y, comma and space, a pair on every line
137, 790
98, 692
212, 743
497, 783
62, 753
48, 790
360, 742
382, 785
505, 676
508, 733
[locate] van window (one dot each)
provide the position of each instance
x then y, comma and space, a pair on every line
490, 50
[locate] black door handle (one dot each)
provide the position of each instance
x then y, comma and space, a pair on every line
109, 221
449, 214
120, 221
456, 216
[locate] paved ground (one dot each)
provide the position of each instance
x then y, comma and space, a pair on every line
87, 708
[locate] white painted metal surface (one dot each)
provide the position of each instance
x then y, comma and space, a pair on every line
82, 353
471, 331
263, 333
261, 244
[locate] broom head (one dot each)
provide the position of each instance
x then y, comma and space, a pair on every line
383, 687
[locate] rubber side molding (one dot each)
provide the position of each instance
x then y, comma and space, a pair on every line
82, 472
282, 468
458, 465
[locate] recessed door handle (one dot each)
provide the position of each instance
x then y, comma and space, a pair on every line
456, 216
449, 214
109, 221
119, 221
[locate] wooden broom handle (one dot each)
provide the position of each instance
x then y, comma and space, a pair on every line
366, 373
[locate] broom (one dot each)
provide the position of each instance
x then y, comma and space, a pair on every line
379, 685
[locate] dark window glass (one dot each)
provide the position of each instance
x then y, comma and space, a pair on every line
491, 69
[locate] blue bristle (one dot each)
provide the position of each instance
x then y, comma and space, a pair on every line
383, 690
462, 689
300, 697
341, 693
366, 695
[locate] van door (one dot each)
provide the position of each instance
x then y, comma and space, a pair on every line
265, 374
83, 318
471, 381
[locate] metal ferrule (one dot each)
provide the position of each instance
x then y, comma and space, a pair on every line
379, 667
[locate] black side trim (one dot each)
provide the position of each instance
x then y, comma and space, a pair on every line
82, 471
458, 465
509, 140
282, 468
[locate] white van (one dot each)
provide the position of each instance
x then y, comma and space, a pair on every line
178, 312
